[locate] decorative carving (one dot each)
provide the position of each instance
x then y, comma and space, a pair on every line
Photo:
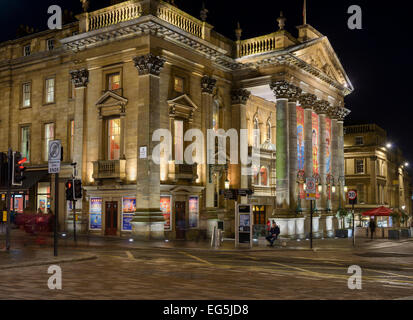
339, 113
307, 100
285, 90
281, 21
208, 84
204, 12
294, 93
80, 78
321, 107
240, 96
149, 64
85, 5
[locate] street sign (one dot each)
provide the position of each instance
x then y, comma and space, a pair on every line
55, 149
310, 191
352, 194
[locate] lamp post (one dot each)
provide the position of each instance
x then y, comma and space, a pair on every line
316, 176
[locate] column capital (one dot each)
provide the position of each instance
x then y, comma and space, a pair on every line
208, 84
285, 90
80, 78
149, 64
321, 107
308, 100
240, 96
339, 113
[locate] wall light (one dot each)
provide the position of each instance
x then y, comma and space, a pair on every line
320, 188
345, 189
227, 184
333, 189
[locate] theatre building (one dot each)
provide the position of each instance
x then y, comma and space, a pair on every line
103, 85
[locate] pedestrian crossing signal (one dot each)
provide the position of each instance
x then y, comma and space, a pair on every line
69, 190
18, 169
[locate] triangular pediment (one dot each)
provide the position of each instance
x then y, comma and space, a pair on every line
110, 99
183, 101
321, 56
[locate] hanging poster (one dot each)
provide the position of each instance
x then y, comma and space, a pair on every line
166, 210
95, 214
193, 212
128, 209
328, 145
300, 138
315, 143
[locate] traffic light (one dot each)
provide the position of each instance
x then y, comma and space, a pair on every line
18, 169
78, 189
69, 190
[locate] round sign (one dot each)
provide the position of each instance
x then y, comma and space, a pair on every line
352, 194
310, 185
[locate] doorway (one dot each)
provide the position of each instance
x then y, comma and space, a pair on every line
180, 221
111, 218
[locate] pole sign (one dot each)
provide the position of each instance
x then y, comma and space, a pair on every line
310, 191
55, 149
352, 196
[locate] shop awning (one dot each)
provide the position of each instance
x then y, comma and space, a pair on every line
32, 177
378, 212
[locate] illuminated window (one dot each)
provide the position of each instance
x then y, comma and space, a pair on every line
26, 94
215, 116
256, 134
259, 215
114, 139
49, 130
179, 84
359, 166
50, 90
43, 197
264, 176
26, 50
25, 142
179, 140
114, 81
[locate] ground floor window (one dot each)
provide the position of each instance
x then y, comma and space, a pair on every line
259, 215
193, 212
128, 209
43, 197
95, 214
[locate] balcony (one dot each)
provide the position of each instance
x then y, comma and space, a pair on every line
109, 169
186, 172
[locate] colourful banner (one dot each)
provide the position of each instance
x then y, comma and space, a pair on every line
166, 210
95, 214
300, 138
128, 209
193, 212
315, 143
328, 145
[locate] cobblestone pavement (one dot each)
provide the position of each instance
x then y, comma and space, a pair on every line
157, 273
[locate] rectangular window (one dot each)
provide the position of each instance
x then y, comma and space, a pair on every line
114, 81
26, 50
359, 166
359, 141
72, 138
114, 139
179, 84
50, 44
50, 90
179, 140
26, 94
25, 142
49, 131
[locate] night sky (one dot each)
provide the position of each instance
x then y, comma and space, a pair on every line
376, 58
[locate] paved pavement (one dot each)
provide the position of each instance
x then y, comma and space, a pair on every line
123, 270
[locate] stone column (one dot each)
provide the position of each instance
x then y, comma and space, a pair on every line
341, 171
334, 160
148, 221
282, 93
373, 180
208, 85
293, 156
80, 79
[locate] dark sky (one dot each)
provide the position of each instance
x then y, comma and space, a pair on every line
377, 58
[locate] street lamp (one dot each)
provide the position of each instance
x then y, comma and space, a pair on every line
406, 164
403, 207
333, 189
388, 145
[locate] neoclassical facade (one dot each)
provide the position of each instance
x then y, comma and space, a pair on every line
105, 84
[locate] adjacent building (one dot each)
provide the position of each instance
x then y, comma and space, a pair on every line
103, 86
377, 170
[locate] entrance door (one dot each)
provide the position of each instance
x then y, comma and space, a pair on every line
111, 218
180, 221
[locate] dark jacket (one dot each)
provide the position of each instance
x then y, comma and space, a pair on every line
275, 230
372, 225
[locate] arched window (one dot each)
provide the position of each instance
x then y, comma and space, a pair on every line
269, 137
255, 176
256, 134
